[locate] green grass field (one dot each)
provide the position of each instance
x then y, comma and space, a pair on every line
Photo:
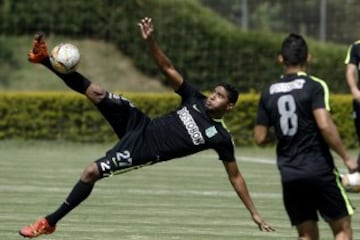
188, 198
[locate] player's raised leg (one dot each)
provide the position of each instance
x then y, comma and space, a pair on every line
74, 80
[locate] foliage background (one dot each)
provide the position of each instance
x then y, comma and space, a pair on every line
69, 116
205, 46
205, 40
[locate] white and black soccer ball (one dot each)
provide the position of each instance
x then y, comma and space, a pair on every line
65, 58
351, 182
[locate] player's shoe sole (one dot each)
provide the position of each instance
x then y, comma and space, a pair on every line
38, 228
39, 51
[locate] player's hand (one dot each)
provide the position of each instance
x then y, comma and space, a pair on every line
351, 164
146, 27
356, 95
263, 226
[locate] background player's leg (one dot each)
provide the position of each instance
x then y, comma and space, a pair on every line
356, 107
342, 228
308, 230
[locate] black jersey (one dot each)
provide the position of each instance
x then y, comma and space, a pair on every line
288, 106
182, 132
353, 56
189, 129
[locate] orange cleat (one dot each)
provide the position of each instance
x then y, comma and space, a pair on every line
39, 50
38, 228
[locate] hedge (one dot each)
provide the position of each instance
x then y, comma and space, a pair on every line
204, 46
69, 116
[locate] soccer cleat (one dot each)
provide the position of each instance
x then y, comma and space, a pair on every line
39, 50
38, 228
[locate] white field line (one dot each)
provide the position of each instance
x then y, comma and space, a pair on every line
256, 160
241, 158
140, 191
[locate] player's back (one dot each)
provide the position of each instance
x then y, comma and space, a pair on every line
289, 103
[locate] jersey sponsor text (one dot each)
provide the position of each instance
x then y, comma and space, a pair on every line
285, 87
191, 126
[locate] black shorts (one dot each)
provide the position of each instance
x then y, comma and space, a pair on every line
305, 198
128, 123
122, 115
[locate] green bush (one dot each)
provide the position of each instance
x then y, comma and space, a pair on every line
7, 61
342, 113
69, 116
204, 46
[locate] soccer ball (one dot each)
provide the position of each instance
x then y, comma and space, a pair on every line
351, 182
65, 58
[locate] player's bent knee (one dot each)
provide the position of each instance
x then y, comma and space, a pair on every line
90, 174
95, 93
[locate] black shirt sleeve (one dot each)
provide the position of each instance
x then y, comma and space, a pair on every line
186, 91
262, 117
226, 151
354, 54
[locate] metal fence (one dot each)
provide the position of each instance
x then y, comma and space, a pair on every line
326, 20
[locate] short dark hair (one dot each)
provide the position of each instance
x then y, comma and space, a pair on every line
294, 50
233, 93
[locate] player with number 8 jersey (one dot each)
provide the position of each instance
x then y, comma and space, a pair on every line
297, 107
288, 104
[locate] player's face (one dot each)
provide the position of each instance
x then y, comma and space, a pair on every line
218, 101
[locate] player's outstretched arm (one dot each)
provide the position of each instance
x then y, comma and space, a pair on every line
351, 78
164, 63
239, 185
260, 134
331, 135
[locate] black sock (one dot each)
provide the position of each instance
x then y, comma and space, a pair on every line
78, 194
73, 80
